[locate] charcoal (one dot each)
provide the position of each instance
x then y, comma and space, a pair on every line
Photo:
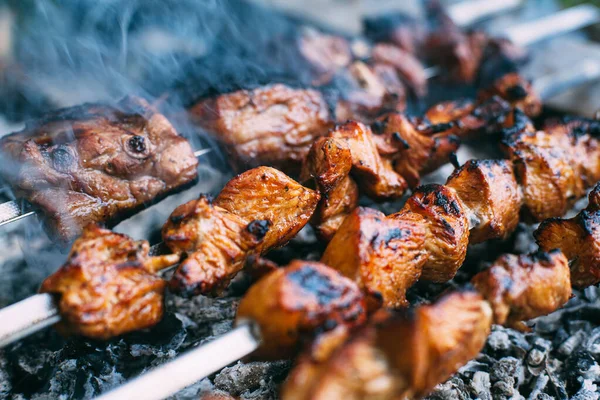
539, 386
536, 358
250, 376
592, 343
454, 388
571, 343
480, 385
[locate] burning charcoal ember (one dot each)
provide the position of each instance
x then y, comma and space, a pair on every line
107, 287
298, 302
271, 125
96, 163
243, 377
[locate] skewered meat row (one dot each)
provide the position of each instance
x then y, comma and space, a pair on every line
481, 200
107, 274
96, 163
405, 354
466, 56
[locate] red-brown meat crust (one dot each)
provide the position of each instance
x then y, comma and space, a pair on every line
107, 286
297, 302
95, 163
270, 125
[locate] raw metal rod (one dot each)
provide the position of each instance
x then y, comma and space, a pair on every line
467, 13
192, 366
562, 22
40, 311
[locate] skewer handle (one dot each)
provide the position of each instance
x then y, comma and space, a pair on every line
192, 366
26, 317
556, 83
559, 23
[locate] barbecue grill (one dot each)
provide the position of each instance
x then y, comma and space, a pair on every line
40, 311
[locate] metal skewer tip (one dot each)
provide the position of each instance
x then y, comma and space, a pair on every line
192, 366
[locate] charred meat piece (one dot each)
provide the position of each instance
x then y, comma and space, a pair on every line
396, 28
374, 174
413, 153
406, 65
547, 167
256, 211
271, 125
523, 287
446, 229
268, 195
324, 52
328, 164
465, 119
491, 195
579, 239
368, 91
215, 242
107, 287
500, 57
384, 256
517, 91
95, 163
402, 357
295, 303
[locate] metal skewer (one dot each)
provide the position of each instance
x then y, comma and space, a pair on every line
562, 22
39, 311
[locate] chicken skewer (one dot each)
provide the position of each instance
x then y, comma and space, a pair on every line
12, 211
513, 289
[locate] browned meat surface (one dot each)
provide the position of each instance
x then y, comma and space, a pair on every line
465, 119
370, 90
95, 163
325, 53
215, 242
491, 195
406, 65
412, 153
523, 287
384, 256
107, 286
446, 228
396, 28
271, 125
256, 211
402, 357
517, 91
295, 303
267, 194
373, 174
328, 165
579, 239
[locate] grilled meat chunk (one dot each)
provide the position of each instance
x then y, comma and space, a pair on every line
266, 194
384, 256
328, 164
256, 211
466, 119
517, 91
446, 229
413, 154
406, 65
107, 286
216, 243
396, 28
369, 91
523, 287
579, 239
324, 52
373, 173
491, 195
402, 357
298, 302
271, 125
95, 163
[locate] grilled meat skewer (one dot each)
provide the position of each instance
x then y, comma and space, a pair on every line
95, 163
